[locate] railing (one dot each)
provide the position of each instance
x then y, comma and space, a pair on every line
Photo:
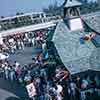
29, 19
26, 22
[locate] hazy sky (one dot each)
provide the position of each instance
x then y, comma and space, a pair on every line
10, 7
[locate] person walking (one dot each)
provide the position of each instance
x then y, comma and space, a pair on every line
12, 74
6, 70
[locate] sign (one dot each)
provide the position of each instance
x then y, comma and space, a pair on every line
31, 90
76, 24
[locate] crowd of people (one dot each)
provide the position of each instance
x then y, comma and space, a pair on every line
51, 81
52, 86
20, 40
36, 72
47, 84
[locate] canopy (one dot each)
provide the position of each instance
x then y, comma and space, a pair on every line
77, 56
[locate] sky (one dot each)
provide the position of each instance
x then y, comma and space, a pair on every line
11, 7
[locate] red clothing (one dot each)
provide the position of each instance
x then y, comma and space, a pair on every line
18, 71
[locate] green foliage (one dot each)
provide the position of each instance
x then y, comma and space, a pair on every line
87, 7
90, 7
53, 8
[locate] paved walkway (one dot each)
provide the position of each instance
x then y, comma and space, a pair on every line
24, 56
12, 90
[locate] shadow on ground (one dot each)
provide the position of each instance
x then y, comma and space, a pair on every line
12, 98
15, 88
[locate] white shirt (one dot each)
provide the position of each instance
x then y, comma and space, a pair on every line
43, 46
17, 64
11, 40
59, 88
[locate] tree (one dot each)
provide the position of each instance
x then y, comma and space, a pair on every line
87, 7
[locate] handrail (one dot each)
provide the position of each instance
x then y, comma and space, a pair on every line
28, 28
35, 21
22, 15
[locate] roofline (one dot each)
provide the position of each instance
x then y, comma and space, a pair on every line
73, 5
93, 70
90, 26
